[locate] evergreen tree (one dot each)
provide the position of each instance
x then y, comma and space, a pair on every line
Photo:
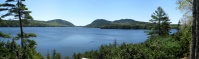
66, 57
74, 56
178, 26
17, 9
161, 23
58, 56
48, 56
54, 54
115, 43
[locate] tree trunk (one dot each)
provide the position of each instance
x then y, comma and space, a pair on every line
197, 29
193, 41
159, 27
21, 29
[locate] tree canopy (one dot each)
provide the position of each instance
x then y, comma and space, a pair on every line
161, 21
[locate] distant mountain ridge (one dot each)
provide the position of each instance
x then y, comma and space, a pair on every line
127, 21
98, 23
61, 22
37, 23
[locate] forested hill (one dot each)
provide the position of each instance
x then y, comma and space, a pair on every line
61, 22
128, 22
119, 24
37, 23
98, 23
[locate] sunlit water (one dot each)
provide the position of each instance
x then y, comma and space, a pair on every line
68, 40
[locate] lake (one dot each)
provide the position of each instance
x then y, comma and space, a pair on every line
68, 40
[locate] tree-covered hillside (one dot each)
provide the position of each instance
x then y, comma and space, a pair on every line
122, 24
119, 24
98, 23
61, 22
36, 23
128, 22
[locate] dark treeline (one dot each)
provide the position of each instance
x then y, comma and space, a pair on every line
123, 24
35, 23
117, 26
135, 26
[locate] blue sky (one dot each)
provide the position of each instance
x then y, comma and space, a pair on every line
83, 12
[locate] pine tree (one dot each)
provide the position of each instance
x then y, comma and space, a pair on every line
115, 43
48, 56
17, 9
66, 57
74, 56
178, 26
54, 54
161, 23
58, 56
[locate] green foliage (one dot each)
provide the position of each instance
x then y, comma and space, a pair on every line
55, 55
161, 23
178, 26
122, 24
35, 23
0, 20
156, 47
66, 57
77, 56
98, 23
119, 24
184, 5
61, 22
48, 56
4, 35
174, 46
12, 7
11, 50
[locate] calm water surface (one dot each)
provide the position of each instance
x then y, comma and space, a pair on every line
68, 40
